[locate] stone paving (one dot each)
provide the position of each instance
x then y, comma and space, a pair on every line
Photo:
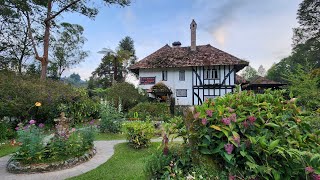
105, 150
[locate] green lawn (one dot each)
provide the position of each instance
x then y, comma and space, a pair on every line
126, 163
7, 149
109, 136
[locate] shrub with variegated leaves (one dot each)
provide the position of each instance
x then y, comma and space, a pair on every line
260, 136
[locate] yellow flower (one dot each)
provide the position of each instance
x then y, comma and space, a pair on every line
37, 104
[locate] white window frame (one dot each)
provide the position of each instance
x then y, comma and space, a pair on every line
182, 75
164, 75
181, 90
211, 73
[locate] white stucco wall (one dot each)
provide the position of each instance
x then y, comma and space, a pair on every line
172, 82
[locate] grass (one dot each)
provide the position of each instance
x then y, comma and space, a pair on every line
126, 163
7, 148
109, 136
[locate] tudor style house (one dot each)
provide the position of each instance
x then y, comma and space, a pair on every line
193, 73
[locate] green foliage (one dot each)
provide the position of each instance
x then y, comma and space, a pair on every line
125, 94
156, 111
249, 73
257, 135
32, 147
6, 131
305, 86
19, 94
175, 128
139, 133
35, 149
111, 118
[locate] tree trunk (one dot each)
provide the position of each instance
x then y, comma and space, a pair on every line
115, 71
46, 38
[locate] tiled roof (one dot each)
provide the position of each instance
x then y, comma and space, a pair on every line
205, 55
262, 80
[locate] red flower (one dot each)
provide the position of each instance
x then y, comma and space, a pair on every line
252, 119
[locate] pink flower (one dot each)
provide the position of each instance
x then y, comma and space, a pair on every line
196, 115
91, 122
209, 113
73, 129
251, 119
232, 177
230, 110
225, 121
32, 122
204, 121
229, 148
26, 127
233, 117
309, 169
316, 176
17, 128
41, 125
236, 139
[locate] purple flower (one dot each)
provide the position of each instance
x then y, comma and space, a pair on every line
91, 122
225, 121
309, 169
204, 121
229, 148
17, 128
251, 119
41, 125
26, 127
233, 117
32, 122
236, 139
209, 113
196, 115
230, 110
316, 176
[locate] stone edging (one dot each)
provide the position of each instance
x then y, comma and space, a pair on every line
16, 167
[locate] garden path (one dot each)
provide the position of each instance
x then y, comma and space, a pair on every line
105, 150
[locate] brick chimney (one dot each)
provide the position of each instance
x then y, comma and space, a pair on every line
193, 27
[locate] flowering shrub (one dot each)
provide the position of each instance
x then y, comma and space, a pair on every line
259, 136
36, 147
139, 133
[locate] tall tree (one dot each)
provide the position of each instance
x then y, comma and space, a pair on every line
67, 50
261, 71
249, 73
47, 11
113, 63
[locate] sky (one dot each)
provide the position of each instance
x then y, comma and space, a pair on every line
258, 31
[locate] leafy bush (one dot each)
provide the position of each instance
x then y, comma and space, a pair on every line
179, 163
35, 148
111, 117
259, 136
156, 111
125, 94
18, 95
139, 133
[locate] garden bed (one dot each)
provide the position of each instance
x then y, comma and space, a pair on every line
15, 166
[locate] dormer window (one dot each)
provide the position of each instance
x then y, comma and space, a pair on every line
211, 74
